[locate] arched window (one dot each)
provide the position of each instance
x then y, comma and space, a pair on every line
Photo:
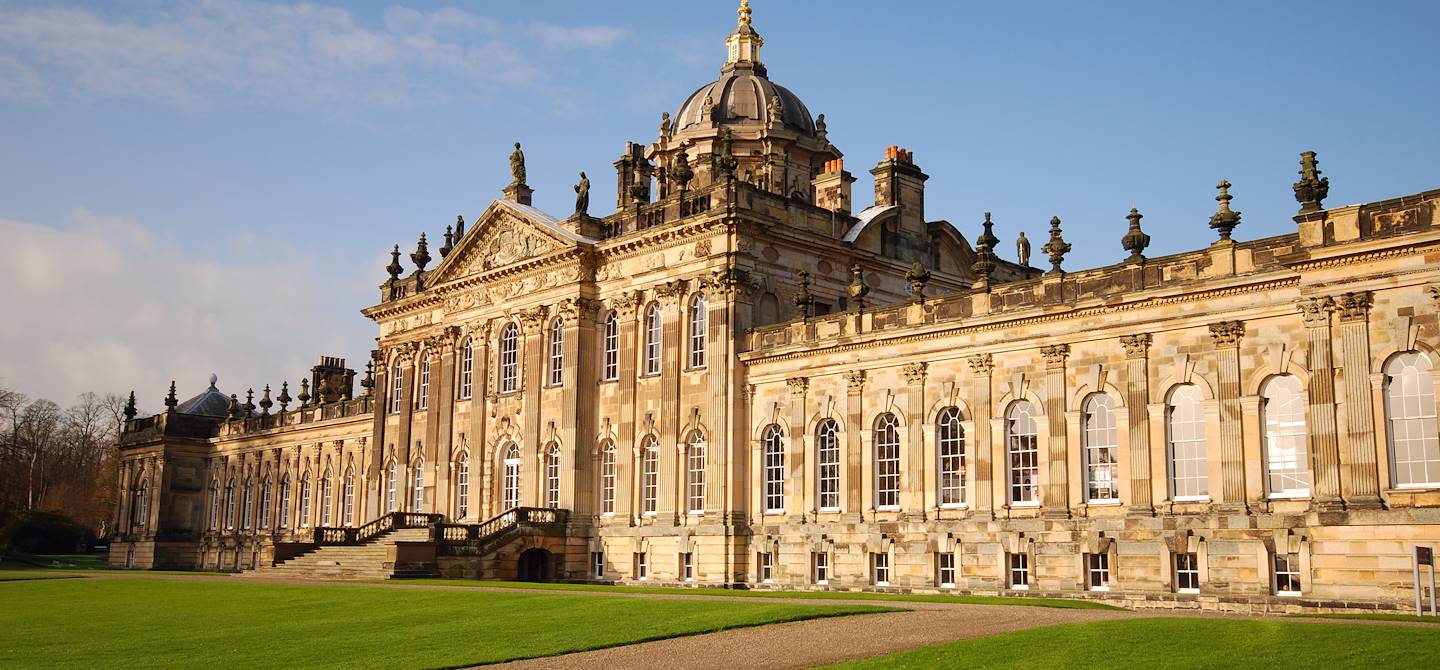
327, 495
348, 509
827, 466
417, 486
653, 335
285, 501
950, 450
214, 522
141, 503
230, 505
1185, 430
1100, 436
552, 476
1410, 412
305, 501
1024, 454
462, 485
397, 387
509, 358
612, 347
887, 462
391, 483
422, 400
773, 444
767, 311
607, 478
510, 481
467, 369
649, 475
265, 492
245, 504
557, 352
695, 474
1287, 460
699, 322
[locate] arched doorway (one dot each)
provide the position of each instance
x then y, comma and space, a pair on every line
534, 565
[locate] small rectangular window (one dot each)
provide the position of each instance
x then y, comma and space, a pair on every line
820, 567
642, 570
946, 571
880, 568
1097, 568
767, 567
1019, 571
1287, 574
597, 560
687, 566
1187, 573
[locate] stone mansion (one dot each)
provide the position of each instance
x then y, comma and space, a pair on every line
740, 378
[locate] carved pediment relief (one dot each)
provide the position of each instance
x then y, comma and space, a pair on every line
508, 243
501, 237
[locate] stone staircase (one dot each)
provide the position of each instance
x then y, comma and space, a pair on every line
368, 560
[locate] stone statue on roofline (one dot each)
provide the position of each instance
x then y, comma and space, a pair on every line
582, 195
1022, 249
517, 165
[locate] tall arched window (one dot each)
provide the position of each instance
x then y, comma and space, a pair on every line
1287, 460
265, 492
422, 394
552, 476
417, 486
611, 357
305, 501
348, 509
1185, 430
1100, 437
230, 505
773, 444
695, 474
214, 522
391, 483
141, 504
462, 485
699, 322
246, 501
1410, 413
285, 501
510, 480
397, 387
467, 369
887, 462
327, 497
653, 336
607, 478
827, 466
509, 358
557, 352
1023, 450
950, 450
649, 475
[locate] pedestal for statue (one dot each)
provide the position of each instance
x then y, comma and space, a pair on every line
584, 224
517, 192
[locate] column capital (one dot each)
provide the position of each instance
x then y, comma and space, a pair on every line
1316, 311
1433, 291
981, 364
855, 380
1055, 356
1137, 345
798, 385
1355, 305
670, 292
1227, 333
626, 304
915, 372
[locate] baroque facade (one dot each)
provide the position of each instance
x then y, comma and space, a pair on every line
736, 379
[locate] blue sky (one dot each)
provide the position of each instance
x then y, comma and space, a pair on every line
215, 186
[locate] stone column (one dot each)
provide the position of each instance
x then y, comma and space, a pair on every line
1057, 494
403, 446
533, 326
380, 409
1361, 484
854, 447
913, 476
1322, 431
1137, 399
800, 487
577, 490
1227, 335
668, 506
627, 467
981, 365
442, 416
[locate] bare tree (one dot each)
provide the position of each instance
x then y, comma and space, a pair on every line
39, 438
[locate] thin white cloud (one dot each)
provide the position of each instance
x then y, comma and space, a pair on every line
577, 37
103, 304
294, 54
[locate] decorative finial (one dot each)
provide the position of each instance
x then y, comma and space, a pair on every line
449, 242
421, 257
1224, 220
1056, 248
681, 173
1135, 240
917, 276
858, 289
1022, 249
459, 227
249, 405
804, 299
368, 383
727, 161
265, 402
284, 396
1311, 190
744, 13
233, 409
130, 410
213, 378
984, 251
394, 268
304, 396
170, 400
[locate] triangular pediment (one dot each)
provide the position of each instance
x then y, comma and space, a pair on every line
507, 234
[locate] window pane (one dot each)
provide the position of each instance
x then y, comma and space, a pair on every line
950, 439
1410, 411
887, 461
1024, 452
1185, 426
1100, 435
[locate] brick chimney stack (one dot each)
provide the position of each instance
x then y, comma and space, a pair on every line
832, 187
899, 182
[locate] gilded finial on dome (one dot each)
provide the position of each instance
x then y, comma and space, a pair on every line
744, 13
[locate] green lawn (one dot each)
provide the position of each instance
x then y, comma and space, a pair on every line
162, 623
1376, 616
808, 595
54, 562
24, 575
1182, 643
